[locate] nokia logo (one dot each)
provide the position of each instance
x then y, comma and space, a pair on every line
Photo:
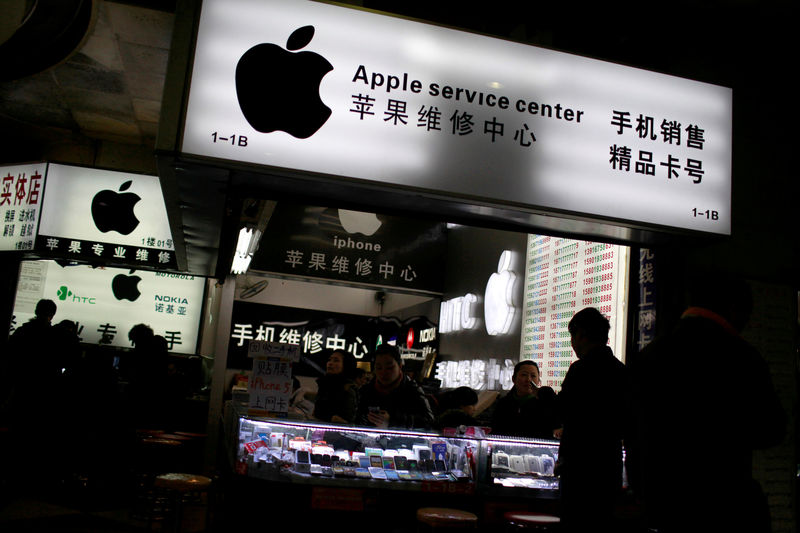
171, 299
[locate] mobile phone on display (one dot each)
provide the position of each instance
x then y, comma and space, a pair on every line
439, 466
412, 464
401, 462
388, 463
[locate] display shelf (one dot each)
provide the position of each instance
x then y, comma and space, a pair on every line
315, 453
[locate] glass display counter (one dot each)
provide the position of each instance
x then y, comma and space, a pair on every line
337, 455
308, 452
520, 463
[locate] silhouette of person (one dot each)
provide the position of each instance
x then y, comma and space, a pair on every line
148, 377
35, 359
35, 391
592, 406
65, 336
728, 409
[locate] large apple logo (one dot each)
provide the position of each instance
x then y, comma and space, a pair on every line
498, 306
113, 211
278, 90
358, 222
126, 287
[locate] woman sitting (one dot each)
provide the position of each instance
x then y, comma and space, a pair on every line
392, 399
337, 394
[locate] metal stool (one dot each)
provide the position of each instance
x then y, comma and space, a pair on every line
524, 520
179, 491
435, 518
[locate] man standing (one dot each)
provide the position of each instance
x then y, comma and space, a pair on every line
691, 464
593, 402
34, 392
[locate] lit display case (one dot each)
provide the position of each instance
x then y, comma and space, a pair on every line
517, 463
319, 453
304, 452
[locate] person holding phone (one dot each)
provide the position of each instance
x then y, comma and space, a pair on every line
528, 409
392, 399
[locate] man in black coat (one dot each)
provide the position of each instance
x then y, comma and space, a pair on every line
705, 400
593, 404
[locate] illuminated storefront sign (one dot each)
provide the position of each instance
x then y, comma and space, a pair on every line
107, 302
105, 216
21, 192
343, 92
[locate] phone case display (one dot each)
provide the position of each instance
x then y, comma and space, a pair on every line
276, 448
524, 463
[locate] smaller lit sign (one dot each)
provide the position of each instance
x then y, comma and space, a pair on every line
105, 216
107, 302
20, 194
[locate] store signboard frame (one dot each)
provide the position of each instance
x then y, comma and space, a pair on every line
21, 193
352, 247
105, 216
107, 301
415, 106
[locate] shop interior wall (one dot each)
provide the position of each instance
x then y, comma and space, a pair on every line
472, 256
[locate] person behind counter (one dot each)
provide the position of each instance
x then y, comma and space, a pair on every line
458, 408
392, 399
337, 394
528, 410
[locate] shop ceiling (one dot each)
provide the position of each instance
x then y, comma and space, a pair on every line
89, 90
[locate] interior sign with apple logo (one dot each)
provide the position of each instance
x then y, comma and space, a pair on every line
459, 313
105, 216
352, 246
346, 93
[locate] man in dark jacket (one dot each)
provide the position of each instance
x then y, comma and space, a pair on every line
593, 405
691, 463
527, 410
